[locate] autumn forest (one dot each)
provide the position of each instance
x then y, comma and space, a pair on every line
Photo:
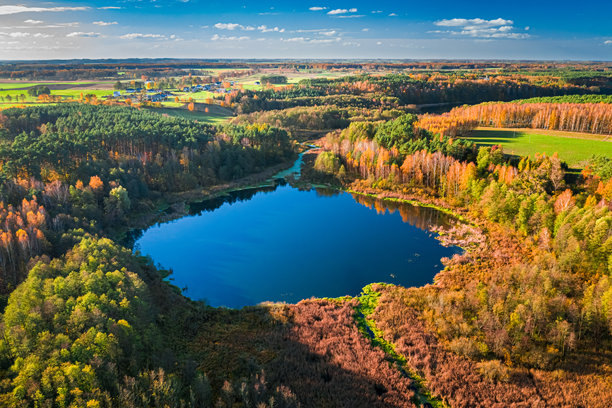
520, 316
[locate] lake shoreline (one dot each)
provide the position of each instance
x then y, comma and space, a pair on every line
464, 238
172, 206
226, 237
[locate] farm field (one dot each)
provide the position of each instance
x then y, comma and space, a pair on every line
248, 82
196, 96
217, 71
14, 93
573, 148
216, 114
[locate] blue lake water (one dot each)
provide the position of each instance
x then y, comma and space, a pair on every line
283, 244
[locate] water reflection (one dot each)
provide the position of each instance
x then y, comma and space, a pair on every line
421, 217
279, 243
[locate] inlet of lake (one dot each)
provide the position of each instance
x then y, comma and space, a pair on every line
283, 244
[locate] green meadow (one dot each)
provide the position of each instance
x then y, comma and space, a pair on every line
215, 115
573, 148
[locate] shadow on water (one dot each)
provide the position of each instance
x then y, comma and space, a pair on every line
198, 208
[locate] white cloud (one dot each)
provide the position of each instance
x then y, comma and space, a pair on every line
234, 26
81, 34
227, 26
324, 40
110, 8
351, 16
266, 29
479, 28
105, 23
4, 10
306, 40
460, 22
607, 42
328, 33
365, 29
133, 36
218, 37
36, 24
392, 15
316, 8
376, 11
33, 21
341, 11
19, 34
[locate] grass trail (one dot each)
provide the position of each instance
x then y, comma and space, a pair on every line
368, 300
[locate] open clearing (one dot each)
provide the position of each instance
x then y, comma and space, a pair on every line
573, 148
215, 115
248, 82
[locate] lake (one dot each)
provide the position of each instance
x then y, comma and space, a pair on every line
283, 244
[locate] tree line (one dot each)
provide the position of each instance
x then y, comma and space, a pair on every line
572, 117
400, 90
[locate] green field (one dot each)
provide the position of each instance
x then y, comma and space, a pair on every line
17, 85
248, 82
29, 100
76, 93
216, 115
573, 148
196, 96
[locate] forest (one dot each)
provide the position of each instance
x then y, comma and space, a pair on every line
68, 170
399, 90
593, 118
536, 306
521, 317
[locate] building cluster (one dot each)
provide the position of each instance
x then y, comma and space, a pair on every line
158, 95
216, 87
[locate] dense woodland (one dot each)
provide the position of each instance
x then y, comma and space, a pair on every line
71, 169
522, 318
400, 90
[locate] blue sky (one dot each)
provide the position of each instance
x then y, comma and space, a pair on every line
520, 29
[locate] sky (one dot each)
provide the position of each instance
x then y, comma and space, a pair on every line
510, 30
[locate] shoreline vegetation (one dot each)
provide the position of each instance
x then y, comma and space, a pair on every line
179, 202
523, 317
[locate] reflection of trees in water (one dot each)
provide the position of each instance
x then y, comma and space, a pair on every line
421, 217
327, 192
197, 208
230, 198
